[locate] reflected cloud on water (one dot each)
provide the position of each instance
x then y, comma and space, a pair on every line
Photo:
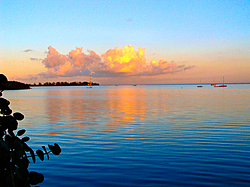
123, 108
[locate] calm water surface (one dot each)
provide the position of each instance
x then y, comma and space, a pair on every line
146, 135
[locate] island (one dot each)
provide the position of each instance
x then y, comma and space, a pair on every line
15, 85
66, 84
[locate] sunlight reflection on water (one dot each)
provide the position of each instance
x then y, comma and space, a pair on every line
148, 135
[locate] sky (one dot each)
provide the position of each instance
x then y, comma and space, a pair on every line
125, 41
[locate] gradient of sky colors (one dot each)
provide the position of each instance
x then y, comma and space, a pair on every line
125, 41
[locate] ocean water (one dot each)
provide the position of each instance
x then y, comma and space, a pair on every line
136, 136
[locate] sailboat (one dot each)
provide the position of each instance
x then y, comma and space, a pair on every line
199, 86
222, 85
213, 84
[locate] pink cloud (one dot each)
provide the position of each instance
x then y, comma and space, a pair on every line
115, 62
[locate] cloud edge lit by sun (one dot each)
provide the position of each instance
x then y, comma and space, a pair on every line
116, 62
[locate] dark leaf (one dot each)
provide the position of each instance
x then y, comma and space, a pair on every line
4, 102
7, 111
35, 178
21, 132
10, 141
45, 152
55, 149
50, 147
18, 116
4, 120
32, 155
12, 123
3, 79
11, 133
18, 146
26, 147
40, 154
25, 139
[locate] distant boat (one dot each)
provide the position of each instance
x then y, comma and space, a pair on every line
199, 86
222, 85
213, 84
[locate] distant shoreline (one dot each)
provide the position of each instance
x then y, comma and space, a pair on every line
65, 84
15, 85
167, 84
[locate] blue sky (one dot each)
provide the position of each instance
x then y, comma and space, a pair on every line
202, 34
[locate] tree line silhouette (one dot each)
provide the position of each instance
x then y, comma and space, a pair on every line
65, 84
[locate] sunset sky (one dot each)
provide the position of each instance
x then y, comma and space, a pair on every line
125, 41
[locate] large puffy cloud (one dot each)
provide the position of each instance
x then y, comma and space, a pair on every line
124, 61
74, 64
54, 59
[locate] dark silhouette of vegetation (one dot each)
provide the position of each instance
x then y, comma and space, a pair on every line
14, 150
15, 85
65, 84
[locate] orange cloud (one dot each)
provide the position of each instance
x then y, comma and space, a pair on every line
124, 61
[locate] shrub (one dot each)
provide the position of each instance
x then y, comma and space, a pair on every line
14, 150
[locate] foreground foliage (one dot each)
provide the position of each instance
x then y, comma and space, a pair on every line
14, 150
